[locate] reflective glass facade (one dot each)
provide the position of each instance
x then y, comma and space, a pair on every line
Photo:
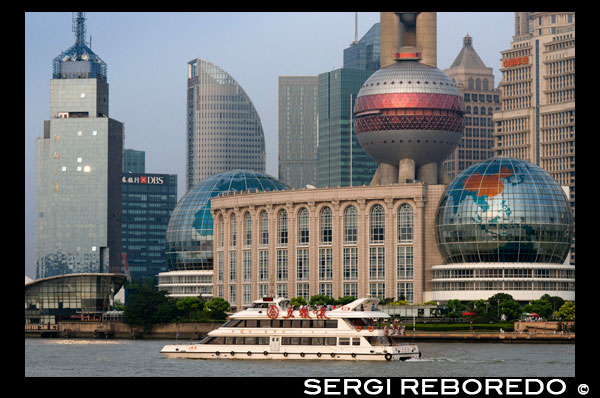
148, 200
189, 241
364, 55
70, 297
224, 131
504, 210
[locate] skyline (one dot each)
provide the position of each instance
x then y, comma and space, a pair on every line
147, 69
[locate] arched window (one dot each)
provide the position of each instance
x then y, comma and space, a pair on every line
471, 84
475, 110
405, 223
303, 224
377, 220
468, 110
478, 84
350, 225
248, 229
485, 85
325, 219
282, 228
264, 229
233, 231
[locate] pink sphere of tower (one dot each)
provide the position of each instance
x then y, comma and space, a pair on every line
409, 110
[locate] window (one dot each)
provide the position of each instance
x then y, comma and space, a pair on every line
350, 225
264, 229
350, 264
303, 224
221, 232
405, 223
377, 263
263, 265
282, 265
247, 266
282, 228
232, 266
248, 229
302, 264
233, 231
325, 226
377, 221
325, 264
405, 262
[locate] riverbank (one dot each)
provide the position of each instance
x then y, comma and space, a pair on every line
196, 331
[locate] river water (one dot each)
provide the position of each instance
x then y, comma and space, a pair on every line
140, 358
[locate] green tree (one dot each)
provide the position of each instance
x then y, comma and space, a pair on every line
147, 306
192, 307
541, 307
297, 301
455, 308
345, 300
556, 301
216, 308
510, 309
494, 310
566, 311
321, 299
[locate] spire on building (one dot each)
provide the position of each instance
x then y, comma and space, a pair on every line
79, 61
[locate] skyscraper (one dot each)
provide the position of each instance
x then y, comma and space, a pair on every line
536, 119
79, 161
341, 159
224, 131
298, 130
134, 161
364, 53
476, 83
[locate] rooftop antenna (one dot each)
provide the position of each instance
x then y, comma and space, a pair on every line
79, 28
355, 28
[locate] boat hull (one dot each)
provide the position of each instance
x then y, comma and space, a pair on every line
196, 352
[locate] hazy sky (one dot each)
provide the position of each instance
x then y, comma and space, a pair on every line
147, 55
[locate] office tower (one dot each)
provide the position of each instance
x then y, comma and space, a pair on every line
224, 131
79, 163
476, 83
536, 120
364, 53
148, 201
337, 164
134, 161
297, 127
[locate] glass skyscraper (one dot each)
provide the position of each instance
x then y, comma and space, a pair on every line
341, 159
134, 161
148, 200
364, 54
79, 162
224, 131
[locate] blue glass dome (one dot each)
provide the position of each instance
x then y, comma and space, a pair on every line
189, 238
504, 210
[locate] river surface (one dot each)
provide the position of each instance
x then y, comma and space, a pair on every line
140, 358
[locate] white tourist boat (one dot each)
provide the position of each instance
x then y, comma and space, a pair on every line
272, 329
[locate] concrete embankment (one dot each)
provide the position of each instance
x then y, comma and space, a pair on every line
488, 337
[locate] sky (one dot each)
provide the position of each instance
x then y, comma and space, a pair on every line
147, 55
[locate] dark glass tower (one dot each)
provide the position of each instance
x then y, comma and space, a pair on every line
364, 54
79, 163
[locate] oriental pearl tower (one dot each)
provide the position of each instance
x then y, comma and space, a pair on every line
408, 115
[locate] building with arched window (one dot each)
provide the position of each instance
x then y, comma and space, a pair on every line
349, 241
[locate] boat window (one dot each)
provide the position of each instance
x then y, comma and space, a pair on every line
318, 341
331, 324
206, 340
263, 340
344, 341
330, 340
277, 323
251, 323
229, 340
249, 340
287, 323
234, 323
264, 323
294, 340
306, 323
356, 341
319, 323
305, 341
217, 340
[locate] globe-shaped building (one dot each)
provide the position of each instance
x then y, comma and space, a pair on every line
409, 110
189, 237
504, 210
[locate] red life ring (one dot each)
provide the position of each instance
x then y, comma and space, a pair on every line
371, 328
358, 328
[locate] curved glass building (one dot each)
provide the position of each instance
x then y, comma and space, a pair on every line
224, 131
189, 238
504, 210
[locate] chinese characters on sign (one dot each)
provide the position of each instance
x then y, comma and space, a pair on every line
509, 63
142, 180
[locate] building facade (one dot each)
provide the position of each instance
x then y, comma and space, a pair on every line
536, 119
79, 163
297, 125
363, 54
351, 241
148, 201
224, 131
476, 83
134, 161
341, 159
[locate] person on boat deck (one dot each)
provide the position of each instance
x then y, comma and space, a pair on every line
362, 307
373, 307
